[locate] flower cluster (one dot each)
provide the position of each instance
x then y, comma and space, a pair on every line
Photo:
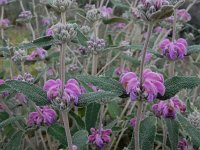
183, 144
71, 91
4, 23
106, 11
168, 109
49, 32
4, 93
3, 2
39, 53
96, 44
120, 70
63, 5
46, 21
25, 16
174, 49
94, 15
153, 5
27, 77
100, 138
153, 84
19, 56
64, 32
43, 116
183, 15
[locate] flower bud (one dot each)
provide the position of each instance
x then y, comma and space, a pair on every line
93, 15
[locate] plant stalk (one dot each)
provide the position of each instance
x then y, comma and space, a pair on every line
67, 129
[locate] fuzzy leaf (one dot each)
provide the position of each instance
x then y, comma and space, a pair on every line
147, 134
191, 131
172, 127
15, 141
96, 97
81, 38
193, 49
79, 122
58, 132
114, 109
32, 92
92, 112
104, 83
40, 42
178, 83
115, 20
80, 139
10, 121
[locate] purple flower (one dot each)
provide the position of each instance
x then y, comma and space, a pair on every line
38, 53
43, 116
49, 32
154, 4
51, 72
45, 21
173, 50
74, 147
183, 15
119, 70
106, 11
25, 16
4, 23
21, 97
133, 122
3, 2
168, 109
153, 84
100, 138
4, 94
71, 92
183, 144
119, 26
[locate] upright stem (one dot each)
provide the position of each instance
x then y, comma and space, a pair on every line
62, 77
2, 16
101, 116
36, 17
22, 6
164, 135
137, 126
144, 51
140, 102
172, 63
67, 128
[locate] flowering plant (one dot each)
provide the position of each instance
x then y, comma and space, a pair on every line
108, 75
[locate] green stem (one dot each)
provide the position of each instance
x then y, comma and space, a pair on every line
67, 128
137, 126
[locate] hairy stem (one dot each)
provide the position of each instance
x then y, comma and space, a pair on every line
137, 125
101, 116
67, 128
144, 51
2, 16
140, 102
164, 135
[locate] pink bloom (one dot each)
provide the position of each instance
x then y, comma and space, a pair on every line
99, 138
183, 144
21, 97
168, 109
106, 11
3, 2
45, 22
156, 4
183, 15
153, 84
133, 122
49, 32
119, 26
38, 53
119, 70
51, 72
71, 92
43, 116
2, 106
74, 147
173, 50
4, 23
